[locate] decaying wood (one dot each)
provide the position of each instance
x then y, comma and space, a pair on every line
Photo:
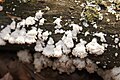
68, 10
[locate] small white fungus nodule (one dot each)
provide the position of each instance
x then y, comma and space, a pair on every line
5, 33
59, 31
38, 46
94, 48
50, 41
76, 30
41, 21
39, 33
57, 51
87, 33
63, 47
101, 35
13, 25
67, 39
1, 8
39, 15
85, 24
20, 39
64, 64
24, 56
41, 62
31, 36
30, 21
57, 22
116, 40
6, 29
49, 49
2, 42
105, 45
45, 35
95, 26
22, 23
76, 27
90, 66
80, 64
115, 73
80, 50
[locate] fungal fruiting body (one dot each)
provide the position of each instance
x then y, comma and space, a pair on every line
24, 56
80, 50
67, 39
67, 51
94, 48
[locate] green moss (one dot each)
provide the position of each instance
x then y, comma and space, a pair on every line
95, 1
91, 14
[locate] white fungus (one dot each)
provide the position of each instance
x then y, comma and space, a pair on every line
1, 8
2, 42
80, 64
50, 41
2, 26
13, 25
94, 48
63, 47
57, 22
24, 56
76, 27
105, 45
115, 73
31, 36
5, 33
95, 26
39, 15
66, 50
45, 35
59, 31
119, 44
87, 33
41, 62
101, 35
79, 50
67, 39
116, 54
58, 51
116, 40
30, 21
39, 46
22, 23
49, 49
76, 30
41, 21
20, 39
90, 66
39, 33
64, 64
85, 24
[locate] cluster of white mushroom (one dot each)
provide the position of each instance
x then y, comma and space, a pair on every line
68, 44
62, 64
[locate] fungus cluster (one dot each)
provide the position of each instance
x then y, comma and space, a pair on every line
71, 50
